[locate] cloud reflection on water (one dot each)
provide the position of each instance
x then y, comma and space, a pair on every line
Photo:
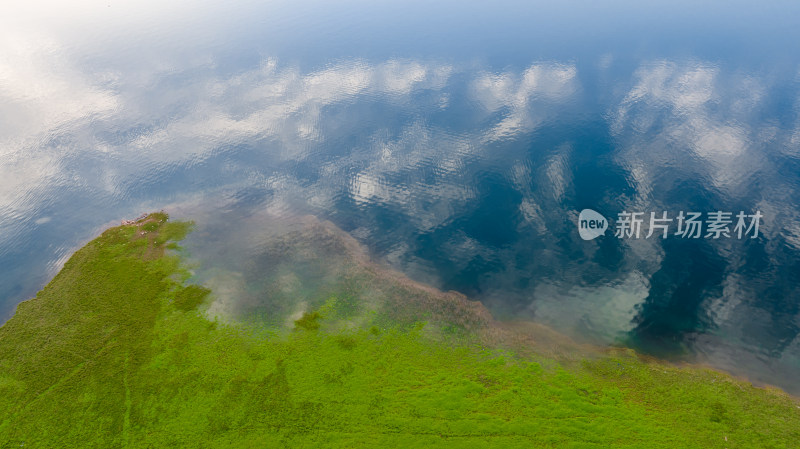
463, 178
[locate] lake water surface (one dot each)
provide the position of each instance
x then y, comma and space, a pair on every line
458, 143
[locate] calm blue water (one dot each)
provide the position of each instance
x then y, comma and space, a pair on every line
457, 142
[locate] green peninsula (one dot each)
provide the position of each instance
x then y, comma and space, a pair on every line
118, 351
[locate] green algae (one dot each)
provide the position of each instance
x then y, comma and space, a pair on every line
117, 352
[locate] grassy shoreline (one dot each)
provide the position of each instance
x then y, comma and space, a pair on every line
116, 352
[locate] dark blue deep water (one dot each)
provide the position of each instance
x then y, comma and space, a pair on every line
457, 142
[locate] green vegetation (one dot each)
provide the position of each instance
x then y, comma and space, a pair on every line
117, 352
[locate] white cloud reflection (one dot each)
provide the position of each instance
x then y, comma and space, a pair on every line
676, 112
313, 137
271, 102
604, 313
155, 121
519, 93
42, 96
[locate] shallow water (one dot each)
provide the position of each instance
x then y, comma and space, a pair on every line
458, 144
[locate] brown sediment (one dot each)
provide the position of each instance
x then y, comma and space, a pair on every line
413, 300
